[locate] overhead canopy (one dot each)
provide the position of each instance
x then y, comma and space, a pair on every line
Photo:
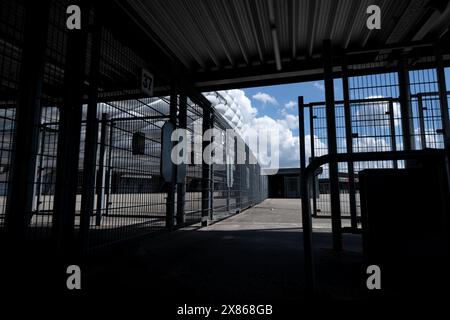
235, 43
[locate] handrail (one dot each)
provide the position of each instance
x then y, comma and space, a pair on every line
342, 157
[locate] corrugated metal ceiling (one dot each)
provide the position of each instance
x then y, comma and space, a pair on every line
207, 36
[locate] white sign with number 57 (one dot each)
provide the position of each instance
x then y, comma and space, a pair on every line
147, 83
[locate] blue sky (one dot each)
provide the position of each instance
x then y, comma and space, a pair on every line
284, 96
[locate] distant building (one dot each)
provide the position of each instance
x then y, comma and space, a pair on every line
286, 183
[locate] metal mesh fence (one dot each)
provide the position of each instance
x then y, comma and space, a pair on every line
53, 77
236, 186
376, 122
193, 180
124, 194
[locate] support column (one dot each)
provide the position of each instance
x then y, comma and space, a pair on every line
443, 97
181, 186
206, 172
69, 137
392, 131
332, 147
349, 143
306, 210
211, 174
313, 155
444, 110
423, 140
237, 171
28, 117
172, 185
405, 106
91, 137
100, 181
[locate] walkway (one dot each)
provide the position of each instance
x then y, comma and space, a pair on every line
253, 256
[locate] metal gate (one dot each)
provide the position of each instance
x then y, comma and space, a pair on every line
371, 120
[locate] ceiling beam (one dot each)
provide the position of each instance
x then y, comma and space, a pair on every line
356, 9
294, 28
254, 32
216, 29
313, 25
235, 33
273, 28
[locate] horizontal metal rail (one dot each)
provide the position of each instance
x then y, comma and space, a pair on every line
354, 101
337, 158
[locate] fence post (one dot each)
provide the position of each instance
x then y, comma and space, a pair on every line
238, 181
21, 189
90, 153
306, 214
211, 173
423, 141
443, 99
181, 186
332, 147
405, 106
392, 131
349, 143
100, 180
172, 185
313, 154
206, 173
69, 137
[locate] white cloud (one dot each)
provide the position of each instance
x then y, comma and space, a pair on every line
288, 145
287, 148
375, 114
290, 121
432, 139
265, 98
290, 105
370, 144
319, 86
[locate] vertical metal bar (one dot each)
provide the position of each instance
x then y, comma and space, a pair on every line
444, 109
228, 173
181, 187
313, 155
306, 214
21, 189
211, 173
443, 96
39, 169
172, 185
100, 181
392, 131
90, 149
238, 182
332, 147
206, 196
69, 137
405, 105
109, 170
423, 140
349, 143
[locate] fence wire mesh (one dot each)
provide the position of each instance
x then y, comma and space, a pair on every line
377, 122
124, 195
